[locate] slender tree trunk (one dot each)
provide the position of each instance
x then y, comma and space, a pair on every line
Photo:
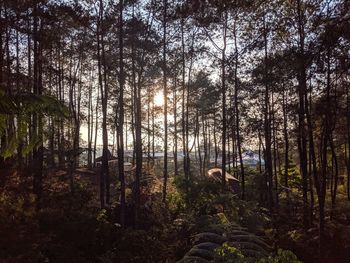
302, 144
237, 115
205, 144
259, 153
286, 144
100, 81
3, 138
37, 117
267, 128
104, 103
275, 150
348, 141
312, 156
184, 123
209, 143
324, 161
121, 118
138, 141
90, 123
198, 144
148, 127
175, 126
132, 125
165, 92
336, 176
126, 129
311, 185
215, 144
153, 130
96, 125
61, 135
223, 94
188, 150
20, 144
347, 168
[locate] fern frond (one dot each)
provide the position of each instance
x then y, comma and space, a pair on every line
202, 253
209, 237
193, 259
249, 238
247, 245
207, 246
21, 107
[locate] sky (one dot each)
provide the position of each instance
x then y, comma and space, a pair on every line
158, 101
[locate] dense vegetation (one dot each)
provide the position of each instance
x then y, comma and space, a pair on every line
164, 91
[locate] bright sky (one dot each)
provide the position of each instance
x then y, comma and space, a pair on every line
158, 99
158, 102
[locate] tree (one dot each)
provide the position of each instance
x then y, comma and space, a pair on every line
121, 118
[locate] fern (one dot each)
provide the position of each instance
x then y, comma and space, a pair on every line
193, 259
20, 108
207, 246
209, 237
227, 240
203, 253
248, 245
249, 238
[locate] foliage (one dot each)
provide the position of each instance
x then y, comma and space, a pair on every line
19, 227
176, 201
138, 246
204, 196
294, 177
227, 253
282, 256
66, 229
21, 107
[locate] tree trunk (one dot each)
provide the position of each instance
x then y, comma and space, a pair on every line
138, 138
302, 144
215, 143
175, 127
267, 128
275, 150
336, 175
37, 117
121, 118
237, 115
104, 110
165, 92
223, 94
348, 141
184, 123
286, 144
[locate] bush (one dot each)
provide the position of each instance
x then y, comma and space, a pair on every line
228, 254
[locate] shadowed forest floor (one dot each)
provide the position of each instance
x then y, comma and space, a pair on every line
72, 228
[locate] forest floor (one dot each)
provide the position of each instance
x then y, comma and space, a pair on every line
72, 227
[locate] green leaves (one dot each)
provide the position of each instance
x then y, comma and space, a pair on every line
28, 103
31, 103
227, 253
17, 110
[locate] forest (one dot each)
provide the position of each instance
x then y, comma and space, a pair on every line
175, 131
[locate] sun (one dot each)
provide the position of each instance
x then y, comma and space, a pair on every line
158, 99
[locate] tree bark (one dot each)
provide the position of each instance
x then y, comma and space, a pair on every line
223, 94
121, 118
165, 93
237, 115
267, 127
